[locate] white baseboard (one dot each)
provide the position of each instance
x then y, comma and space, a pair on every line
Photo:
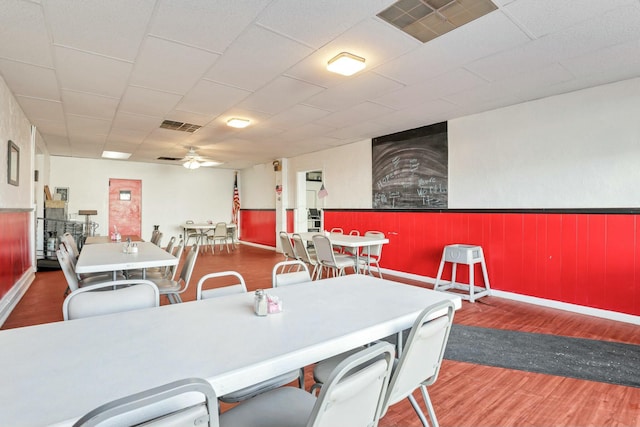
559, 305
257, 245
11, 299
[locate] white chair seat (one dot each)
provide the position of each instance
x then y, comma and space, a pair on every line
284, 407
261, 387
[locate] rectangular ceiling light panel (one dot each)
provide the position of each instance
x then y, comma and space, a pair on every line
427, 19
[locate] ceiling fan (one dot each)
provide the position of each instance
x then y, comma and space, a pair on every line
193, 161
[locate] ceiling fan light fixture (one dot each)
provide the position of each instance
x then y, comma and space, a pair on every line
346, 64
238, 123
191, 164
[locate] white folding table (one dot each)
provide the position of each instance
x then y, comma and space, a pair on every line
103, 257
348, 241
54, 373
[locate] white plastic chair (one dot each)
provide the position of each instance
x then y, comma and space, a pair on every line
302, 253
110, 297
173, 288
227, 289
328, 259
238, 286
418, 365
352, 397
219, 235
371, 255
283, 273
160, 406
67, 264
287, 247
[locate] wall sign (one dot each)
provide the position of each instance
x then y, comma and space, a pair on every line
410, 169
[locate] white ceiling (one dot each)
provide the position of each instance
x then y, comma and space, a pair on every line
96, 75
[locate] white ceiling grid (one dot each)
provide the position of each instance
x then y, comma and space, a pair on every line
98, 75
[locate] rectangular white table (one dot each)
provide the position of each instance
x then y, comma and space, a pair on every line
54, 373
102, 257
348, 241
204, 227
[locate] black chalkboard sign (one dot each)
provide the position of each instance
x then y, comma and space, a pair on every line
410, 169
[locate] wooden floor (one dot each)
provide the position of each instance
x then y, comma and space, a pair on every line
465, 394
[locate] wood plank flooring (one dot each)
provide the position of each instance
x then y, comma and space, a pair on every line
465, 394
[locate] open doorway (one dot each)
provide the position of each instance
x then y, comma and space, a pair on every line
308, 204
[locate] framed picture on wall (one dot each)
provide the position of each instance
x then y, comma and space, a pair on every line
13, 164
63, 192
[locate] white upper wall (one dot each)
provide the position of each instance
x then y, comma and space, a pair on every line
170, 194
578, 150
14, 126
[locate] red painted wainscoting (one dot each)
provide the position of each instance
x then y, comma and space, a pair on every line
589, 259
258, 226
15, 259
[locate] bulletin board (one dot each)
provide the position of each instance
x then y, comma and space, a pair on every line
410, 169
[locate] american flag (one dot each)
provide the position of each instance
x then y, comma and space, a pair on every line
235, 211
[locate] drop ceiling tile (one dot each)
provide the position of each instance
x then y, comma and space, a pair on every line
358, 113
113, 28
81, 149
57, 145
529, 86
448, 83
619, 26
211, 99
51, 127
291, 18
542, 17
86, 104
148, 102
363, 87
161, 66
77, 71
625, 55
137, 122
85, 127
255, 58
360, 130
36, 108
296, 116
30, 80
279, 94
24, 21
125, 136
203, 23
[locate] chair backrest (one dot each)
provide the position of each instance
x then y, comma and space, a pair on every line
338, 230
227, 289
287, 248
421, 357
187, 268
324, 249
354, 233
172, 242
70, 242
220, 230
374, 250
300, 250
156, 237
282, 274
170, 405
67, 268
110, 297
171, 270
353, 395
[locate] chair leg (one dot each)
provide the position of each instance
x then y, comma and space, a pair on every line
416, 408
430, 410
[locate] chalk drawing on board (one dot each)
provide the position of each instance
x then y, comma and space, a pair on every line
410, 169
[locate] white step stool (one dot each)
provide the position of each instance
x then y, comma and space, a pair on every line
469, 255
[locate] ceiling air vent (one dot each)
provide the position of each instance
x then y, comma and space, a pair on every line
180, 126
427, 19
170, 158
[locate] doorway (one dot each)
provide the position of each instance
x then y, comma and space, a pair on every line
309, 205
125, 200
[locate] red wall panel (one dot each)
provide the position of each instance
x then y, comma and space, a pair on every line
258, 226
15, 259
589, 259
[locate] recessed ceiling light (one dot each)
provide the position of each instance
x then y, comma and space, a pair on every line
238, 123
115, 155
346, 64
